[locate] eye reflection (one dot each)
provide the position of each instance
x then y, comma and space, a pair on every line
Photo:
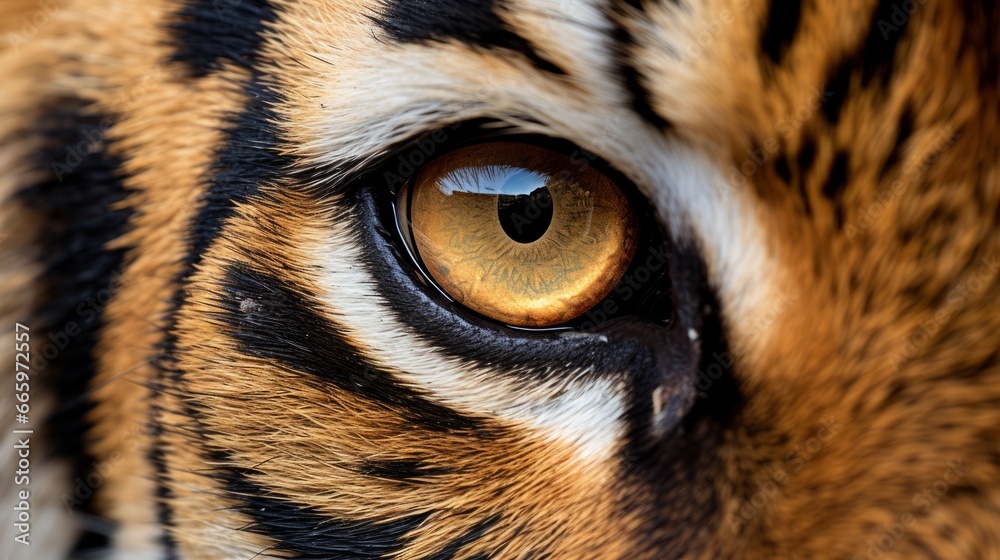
525, 206
519, 233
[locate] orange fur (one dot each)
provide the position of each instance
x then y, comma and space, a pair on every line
877, 338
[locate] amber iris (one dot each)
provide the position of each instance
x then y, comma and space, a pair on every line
521, 234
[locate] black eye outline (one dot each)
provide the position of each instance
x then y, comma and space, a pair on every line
650, 300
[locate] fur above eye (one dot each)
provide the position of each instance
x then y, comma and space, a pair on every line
518, 233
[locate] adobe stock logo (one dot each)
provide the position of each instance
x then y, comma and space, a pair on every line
30, 25
901, 13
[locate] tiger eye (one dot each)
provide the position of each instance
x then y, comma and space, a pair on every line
521, 234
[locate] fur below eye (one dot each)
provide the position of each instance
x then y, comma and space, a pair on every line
521, 234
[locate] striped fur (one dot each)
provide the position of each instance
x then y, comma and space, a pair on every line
255, 369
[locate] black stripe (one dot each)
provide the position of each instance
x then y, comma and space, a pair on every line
164, 370
77, 199
836, 179
271, 319
247, 160
640, 98
783, 168
476, 23
878, 54
161, 474
838, 87
207, 32
980, 39
474, 533
803, 162
903, 131
402, 470
835, 184
308, 534
782, 22
807, 155
873, 61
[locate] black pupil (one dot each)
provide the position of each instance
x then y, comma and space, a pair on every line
525, 217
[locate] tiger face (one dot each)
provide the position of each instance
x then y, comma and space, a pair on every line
503, 278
